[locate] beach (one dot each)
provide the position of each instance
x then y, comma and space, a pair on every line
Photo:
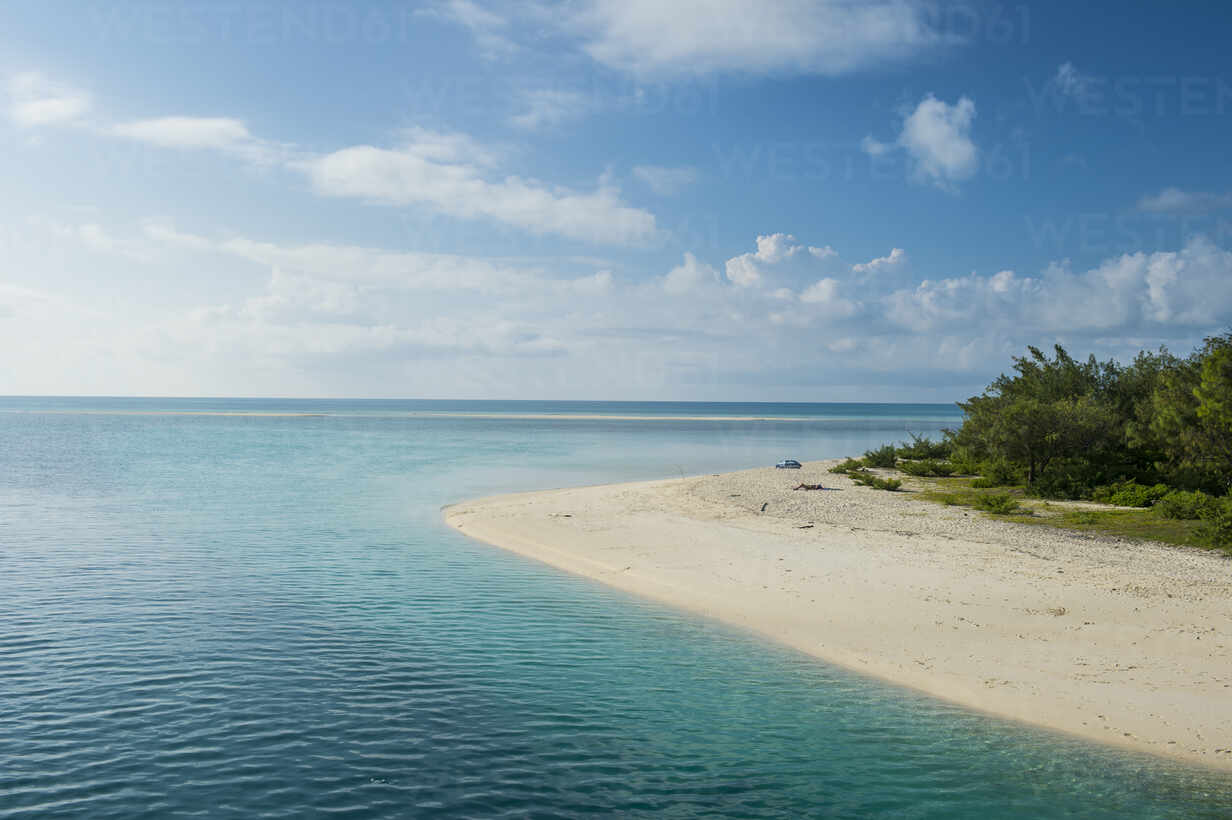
1120, 642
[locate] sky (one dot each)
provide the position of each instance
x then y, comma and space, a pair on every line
713, 200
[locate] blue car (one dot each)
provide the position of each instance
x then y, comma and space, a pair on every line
788, 464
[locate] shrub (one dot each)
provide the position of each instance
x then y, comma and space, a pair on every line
883, 456
1216, 527
964, 461
848, 465
999, 503
923, 447
928, 467
997, 473
1130, 494
867, 479
1184, 506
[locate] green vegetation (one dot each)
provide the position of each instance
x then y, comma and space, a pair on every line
885, 456
1185, 506
848, 465
1153, 433
1154, 524
924, 448
1129, 494
997, 503
867, 479
927, 467
1065, 428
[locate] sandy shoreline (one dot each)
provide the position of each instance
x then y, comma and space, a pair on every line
1119, 642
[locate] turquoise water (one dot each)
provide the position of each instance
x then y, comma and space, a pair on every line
241, 615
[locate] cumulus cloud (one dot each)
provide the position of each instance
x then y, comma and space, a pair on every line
936, 137
824, 293
320, 318
691, 37
745, 270
689, 275
896, 259
1135, 292
665, 181
1174, 200
35, 100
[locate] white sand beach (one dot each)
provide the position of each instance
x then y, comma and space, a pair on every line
1122, 642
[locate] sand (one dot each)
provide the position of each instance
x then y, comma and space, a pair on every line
1117, 641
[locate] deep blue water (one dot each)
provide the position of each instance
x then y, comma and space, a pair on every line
241, 615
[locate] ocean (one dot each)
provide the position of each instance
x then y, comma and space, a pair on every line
251, 607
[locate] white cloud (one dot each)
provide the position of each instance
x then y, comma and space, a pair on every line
665, 181
315, 318
937, 139
186, 132
35, 100
415, 174
685, 37
824, 294
1174, 200
896, 260
746, 270
1138, 292
200, 133
689, 275
548, 107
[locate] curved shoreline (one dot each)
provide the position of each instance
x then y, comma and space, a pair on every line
1122, 643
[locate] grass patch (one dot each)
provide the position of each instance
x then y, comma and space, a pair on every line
1137, 524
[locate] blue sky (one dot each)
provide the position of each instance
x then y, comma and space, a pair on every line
713, 200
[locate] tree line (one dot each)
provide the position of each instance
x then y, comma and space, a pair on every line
1067, 428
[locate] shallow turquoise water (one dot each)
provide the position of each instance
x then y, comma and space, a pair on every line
226, 616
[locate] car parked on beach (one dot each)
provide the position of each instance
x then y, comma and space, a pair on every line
788, 464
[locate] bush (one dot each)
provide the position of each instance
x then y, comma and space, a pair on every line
998, 473
926, 468
884, 456
998, 503
1130, 494
1216, 527
1185, 506
964, 461
848, 465
867, 479
923, 447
